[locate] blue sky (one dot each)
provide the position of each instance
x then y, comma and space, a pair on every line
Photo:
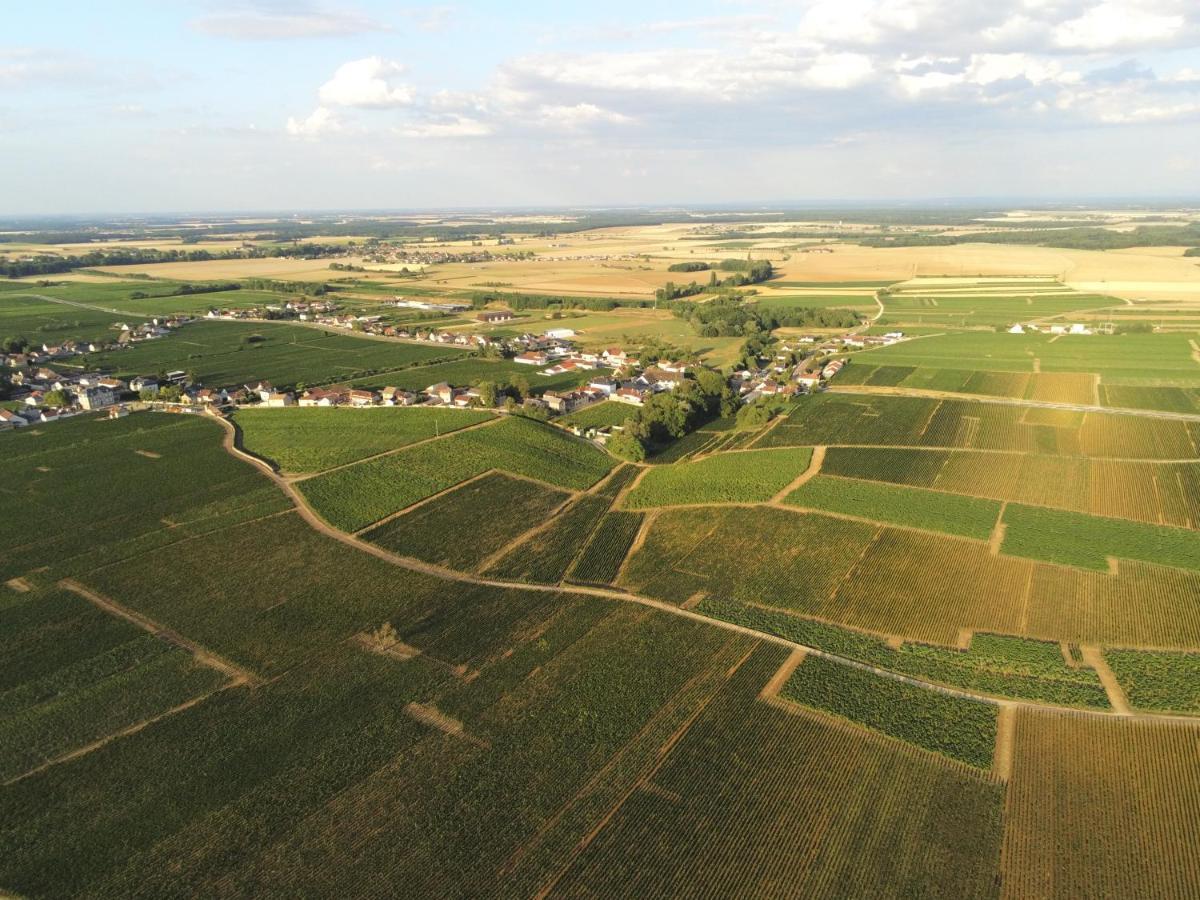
181, 105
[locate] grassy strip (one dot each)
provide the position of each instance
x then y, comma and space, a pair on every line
1169, 682
995, 664
726, 478
952, 726
931, 510
1078, 539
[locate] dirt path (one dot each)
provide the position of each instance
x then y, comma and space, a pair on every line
124, 732
20, 585
526, 536
997, 538
1195, 350
1093, 657
771, 689
203, 656
1011, 401
60, 300
638, 541
1006, 732
814, 467
1037, 366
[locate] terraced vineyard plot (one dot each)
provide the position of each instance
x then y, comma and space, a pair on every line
1102, 807
759, 801
79, 494
469, 524
274, 620
75, 675
1168, 682
547, 555
732, 477
930, 510
1142, 606
961, 729
1075, 539
927, 587
1168, 399
999, 665
356, 496
1143, 491
762, 555
313, 440
606, 551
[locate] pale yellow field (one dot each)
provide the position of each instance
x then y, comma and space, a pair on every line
216, 270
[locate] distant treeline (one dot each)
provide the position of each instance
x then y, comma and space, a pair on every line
49, 264
1066, 238
744, 272
518, 301
731, 317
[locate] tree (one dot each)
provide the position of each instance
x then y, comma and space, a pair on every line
625, 445
57, 399
147, 394
487, 393
170, 393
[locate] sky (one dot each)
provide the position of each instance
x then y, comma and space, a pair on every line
196, 105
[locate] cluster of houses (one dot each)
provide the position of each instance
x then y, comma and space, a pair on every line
302, 310
83, 392
1030, 327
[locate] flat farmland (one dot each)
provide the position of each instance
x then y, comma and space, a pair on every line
233, 353
354, 497
741, 477
818, 809
1102, 807
847, 418
1057, 387
91, 490
78, 674
1150, 492
466, 525
221, 269
46, 322
307, 440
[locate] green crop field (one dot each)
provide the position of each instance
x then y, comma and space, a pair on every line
547, 555
472, 370
1168, 682
356, 496
468, 524
930, 510
1102, 808
961, 729
75, 674
817, 810
610, 543
609, 412
91, 490
223, 354
996, 665
305, 440
748, 477
1076, 539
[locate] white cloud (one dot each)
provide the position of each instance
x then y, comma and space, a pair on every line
321, 121
1117, 23
453, 127
277, 24
578, 116
367, 83
838, 71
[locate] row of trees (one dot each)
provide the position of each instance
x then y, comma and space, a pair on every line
744, 271
51, 264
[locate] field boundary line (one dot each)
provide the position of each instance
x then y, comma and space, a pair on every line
526, 536
639, 541
305, 476
202, 655
121, 733
782, 674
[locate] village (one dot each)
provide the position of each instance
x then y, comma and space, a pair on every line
46, 394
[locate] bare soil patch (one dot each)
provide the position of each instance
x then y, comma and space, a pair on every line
149, 454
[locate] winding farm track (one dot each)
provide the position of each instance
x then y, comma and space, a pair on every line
232, 442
